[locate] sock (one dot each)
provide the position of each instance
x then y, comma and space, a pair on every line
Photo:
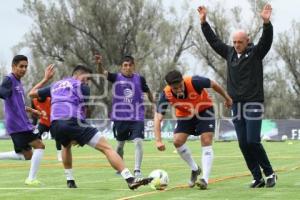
186, 155
126, 174
69, 174
120, 148
11, 155
59, 155
207, 161
35, 163
138, 153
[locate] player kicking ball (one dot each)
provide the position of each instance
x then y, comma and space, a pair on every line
69, 98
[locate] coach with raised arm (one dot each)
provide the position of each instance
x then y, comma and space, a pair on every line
245, 86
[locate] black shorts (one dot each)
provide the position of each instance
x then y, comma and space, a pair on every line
42, 128
128, 130
21, 140
66, 131
201, 123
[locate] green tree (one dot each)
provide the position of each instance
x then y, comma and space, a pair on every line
71, 31
224, 22
288, 50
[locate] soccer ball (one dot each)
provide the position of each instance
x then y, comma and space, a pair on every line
284, 137
266, 138
160, 179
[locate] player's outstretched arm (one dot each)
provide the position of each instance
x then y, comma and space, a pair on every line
34, 112
218, 46
49, 73
216, 87
158, 118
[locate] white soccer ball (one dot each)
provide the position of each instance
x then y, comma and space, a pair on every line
160, 179
284, 137
266, 138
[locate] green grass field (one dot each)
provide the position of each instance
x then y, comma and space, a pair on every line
96, 180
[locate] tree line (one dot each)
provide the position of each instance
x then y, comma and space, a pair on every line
68, 32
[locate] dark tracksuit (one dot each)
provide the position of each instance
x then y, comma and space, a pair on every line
245, 86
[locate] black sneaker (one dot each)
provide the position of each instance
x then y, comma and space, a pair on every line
137, 182
194, 176
258, 183
71, 184
202, 184
271, 180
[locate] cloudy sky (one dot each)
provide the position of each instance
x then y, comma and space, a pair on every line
14, 25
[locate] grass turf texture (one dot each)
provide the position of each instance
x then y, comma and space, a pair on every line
97, 180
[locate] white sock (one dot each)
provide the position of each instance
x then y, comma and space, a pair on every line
59, 156
207, 161
35, 163
69, 174
126, 174
186, 155
138, 153
11, 155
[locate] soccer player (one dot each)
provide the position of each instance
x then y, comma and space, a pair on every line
44, 105
245, 86
128, 107
69, 98
195, 116
17, 123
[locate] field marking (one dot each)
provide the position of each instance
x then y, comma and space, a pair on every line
53, 188
160, 156
211, 181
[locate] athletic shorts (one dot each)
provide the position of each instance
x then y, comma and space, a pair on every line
201, 123
42, 129
21, 140
73, 129
128, 130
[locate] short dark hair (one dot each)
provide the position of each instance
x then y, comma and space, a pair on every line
18, 58
81, 68
173, 77
128, 58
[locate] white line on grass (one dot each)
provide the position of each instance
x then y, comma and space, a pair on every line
28, 188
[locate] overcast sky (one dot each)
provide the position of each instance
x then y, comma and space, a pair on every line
14, 25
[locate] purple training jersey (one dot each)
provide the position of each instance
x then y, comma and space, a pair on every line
67, 100
127, 99
16, 119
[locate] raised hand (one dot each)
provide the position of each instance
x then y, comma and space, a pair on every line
98, 59
202, 13
49, 72
266, 13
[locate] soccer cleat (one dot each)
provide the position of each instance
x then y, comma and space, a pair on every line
33, 182
258, 183
271, 180
137, 173
202, 184
71, 184
137, 182
194, 175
